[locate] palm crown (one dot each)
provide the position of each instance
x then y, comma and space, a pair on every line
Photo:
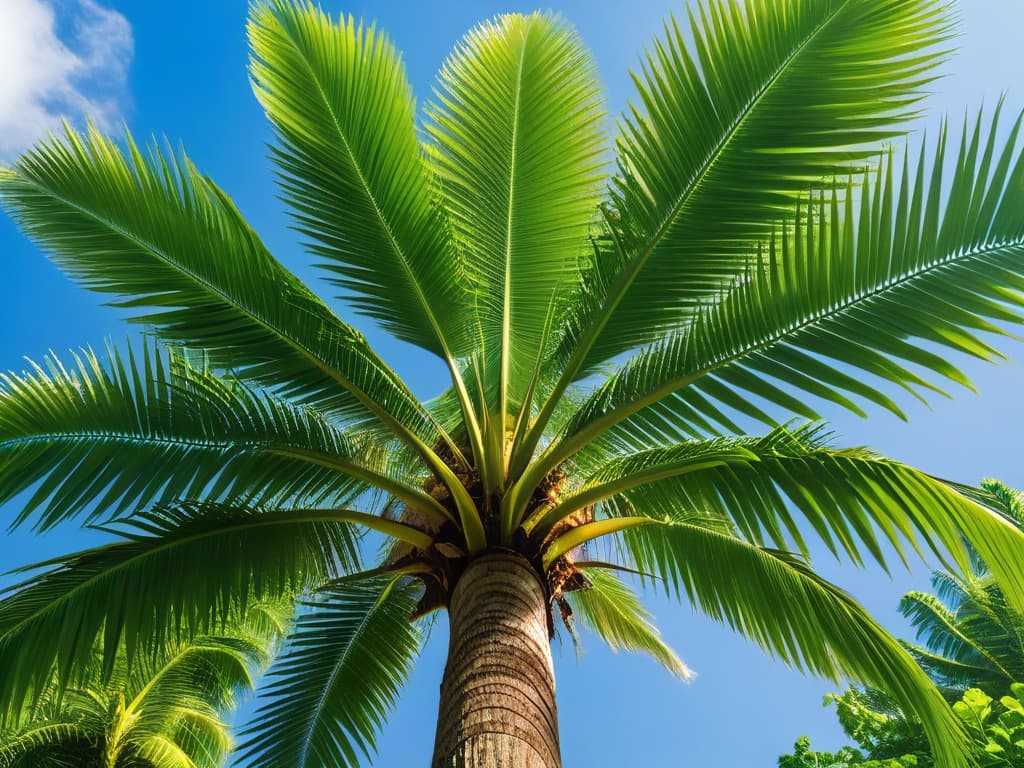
755, 251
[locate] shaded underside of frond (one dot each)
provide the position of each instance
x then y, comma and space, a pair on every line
136, 595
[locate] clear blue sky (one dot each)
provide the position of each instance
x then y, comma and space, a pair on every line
187, 80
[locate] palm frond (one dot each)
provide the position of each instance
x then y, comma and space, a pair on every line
339, 675
851, 298
617, 475
613, 612
134, 593
769, 99
516, 126
155, 233
730, 130
943, 633
53, 744
110, 436
854, 500
775, 599
353, 172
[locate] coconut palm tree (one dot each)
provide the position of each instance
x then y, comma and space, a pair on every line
756, 253
160, 712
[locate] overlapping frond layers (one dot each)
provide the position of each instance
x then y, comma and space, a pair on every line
353, 172
338, 677
167, 708
775, 599
613, 612
100, 437
853, 500
854, 296
135, 596
729, 130
157, 234
61, 744
964, 648
517, 147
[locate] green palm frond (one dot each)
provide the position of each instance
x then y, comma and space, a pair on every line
136, 429
769, 99
164, 752
854, 500
1012, 500
54, 744
166, 708
516, 126
337, 678
137, 596
971, 634
730, 130
156, 233
857, 295
947, 640
353, 172
613, 612
775, 599
619, 474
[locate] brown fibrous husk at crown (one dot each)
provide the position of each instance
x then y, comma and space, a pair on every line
440, 566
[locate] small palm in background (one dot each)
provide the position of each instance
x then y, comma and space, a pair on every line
971, 636
167, 711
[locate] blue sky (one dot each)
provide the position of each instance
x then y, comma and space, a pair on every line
178, 70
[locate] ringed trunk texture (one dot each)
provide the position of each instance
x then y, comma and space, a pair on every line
498, 693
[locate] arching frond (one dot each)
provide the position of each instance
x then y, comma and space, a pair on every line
155, 233
107, 437
776, 600
61, 745
337, 678
854, 297
613, 612
135, 593
854, 500
730, 129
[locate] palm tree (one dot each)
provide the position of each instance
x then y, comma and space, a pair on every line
970, 635
161, 712
757, 252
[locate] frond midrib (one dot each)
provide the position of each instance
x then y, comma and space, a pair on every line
563, 450
247, 311
506, 308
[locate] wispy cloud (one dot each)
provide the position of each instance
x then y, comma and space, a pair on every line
60, 59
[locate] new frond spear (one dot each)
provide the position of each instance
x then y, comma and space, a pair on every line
758, 249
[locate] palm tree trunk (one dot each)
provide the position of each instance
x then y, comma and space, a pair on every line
498, 693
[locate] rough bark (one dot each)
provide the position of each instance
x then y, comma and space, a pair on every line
498, 693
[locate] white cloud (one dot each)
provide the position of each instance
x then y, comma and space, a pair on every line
60, 59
